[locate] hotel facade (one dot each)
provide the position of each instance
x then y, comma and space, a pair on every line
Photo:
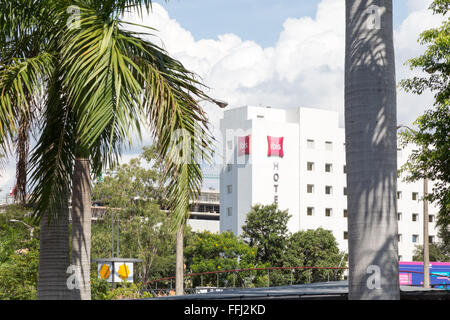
296, 158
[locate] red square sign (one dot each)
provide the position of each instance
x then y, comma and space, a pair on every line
275, 147
243, 145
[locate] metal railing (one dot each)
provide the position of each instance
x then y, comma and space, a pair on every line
165, 286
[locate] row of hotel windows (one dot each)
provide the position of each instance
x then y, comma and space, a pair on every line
415, 238
328, 167
311, 144
329, 213
328, 189
414, 195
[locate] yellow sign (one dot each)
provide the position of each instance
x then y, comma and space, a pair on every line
104, 271
124, 272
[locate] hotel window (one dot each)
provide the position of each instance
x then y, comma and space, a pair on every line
399, 195
310, 166
345, 169
399, 238
415, 217
345, 213
328, 212
345, 235
431, 239
310, 144
229, 167
230, 188
328, 167
431, 218
328, 145
310, 211
415, 238
345, 191
310, 188
328, 189
229, 211
415, 195
399, 216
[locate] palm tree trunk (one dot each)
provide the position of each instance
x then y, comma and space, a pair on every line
23, 143
81, 227
179, 273
371, 150
54, 257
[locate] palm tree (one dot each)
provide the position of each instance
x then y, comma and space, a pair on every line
102, 84
371, 150
18, 40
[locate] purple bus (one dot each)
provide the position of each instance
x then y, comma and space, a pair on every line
411, 274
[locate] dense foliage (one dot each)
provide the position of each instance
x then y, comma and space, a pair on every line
266, 228
19, 254
209, 252
437, 252
132, 194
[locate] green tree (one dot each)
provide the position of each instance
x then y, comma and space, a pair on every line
209, 252
18, 275
139, 180
266, 229
437, 253
314, 248
19, 254
100, 84
132, 193
17, 231
431, 159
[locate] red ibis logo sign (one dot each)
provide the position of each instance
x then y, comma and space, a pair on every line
243, 145
275, 145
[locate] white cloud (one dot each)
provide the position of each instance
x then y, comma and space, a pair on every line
7, 178
304, 68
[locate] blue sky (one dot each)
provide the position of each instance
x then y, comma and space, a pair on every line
257, 20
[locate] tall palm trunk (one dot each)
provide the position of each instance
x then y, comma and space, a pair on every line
179, 273
54, 257
371, 150
81, 227
23, 143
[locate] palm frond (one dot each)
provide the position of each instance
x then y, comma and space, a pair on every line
51, 163
21, 80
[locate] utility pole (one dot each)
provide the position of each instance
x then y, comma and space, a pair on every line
426, 245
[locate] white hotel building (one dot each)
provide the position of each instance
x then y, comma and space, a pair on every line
308, 178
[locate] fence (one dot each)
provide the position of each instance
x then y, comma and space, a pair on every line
166, 285
245, 278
